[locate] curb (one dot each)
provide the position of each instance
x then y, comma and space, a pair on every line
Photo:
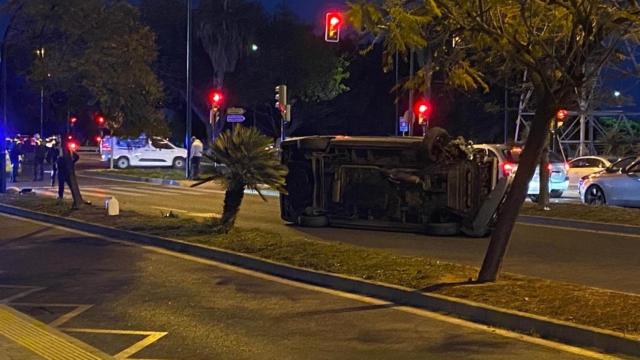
579, 224
565, 332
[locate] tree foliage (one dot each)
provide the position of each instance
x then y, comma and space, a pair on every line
562, 45
97, 53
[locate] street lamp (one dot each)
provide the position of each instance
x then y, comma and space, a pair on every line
40, 53
254, 47
616, 94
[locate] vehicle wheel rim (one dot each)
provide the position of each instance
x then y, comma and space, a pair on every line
179, 163
596, 197
122, 163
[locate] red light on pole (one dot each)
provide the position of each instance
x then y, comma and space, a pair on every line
72, 145
216, 99
562, 114
422, 109
100, 120
73, 120
332, 27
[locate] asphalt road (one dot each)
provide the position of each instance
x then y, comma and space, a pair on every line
140, 302
595, 259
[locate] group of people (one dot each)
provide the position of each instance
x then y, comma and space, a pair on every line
44, 150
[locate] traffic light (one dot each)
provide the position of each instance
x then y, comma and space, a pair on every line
100, 120
332, 27
216, 98
282, 102
73, 120
422, 109
561, 116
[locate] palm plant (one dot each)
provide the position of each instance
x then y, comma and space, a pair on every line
247, 160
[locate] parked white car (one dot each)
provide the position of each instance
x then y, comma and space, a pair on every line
508, 158
587, 165
143, 152
618, 185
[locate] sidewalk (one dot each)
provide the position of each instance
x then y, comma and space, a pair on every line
24, 338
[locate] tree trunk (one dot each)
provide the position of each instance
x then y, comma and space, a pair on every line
544, 175
232, 201
73, 180
509, 210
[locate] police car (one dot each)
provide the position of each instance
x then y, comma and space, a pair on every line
142, 152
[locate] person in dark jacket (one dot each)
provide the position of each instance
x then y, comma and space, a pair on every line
40, 153
14, 156
64, 172
53, 153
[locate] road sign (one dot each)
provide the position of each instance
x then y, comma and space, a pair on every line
235, 118
404, 125
236, 111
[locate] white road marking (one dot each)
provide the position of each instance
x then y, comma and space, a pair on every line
108, 191
360, 298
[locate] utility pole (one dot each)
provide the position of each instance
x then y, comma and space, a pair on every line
397, 118
188, 130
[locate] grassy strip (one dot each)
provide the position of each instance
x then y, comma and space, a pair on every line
569, 302
604, 214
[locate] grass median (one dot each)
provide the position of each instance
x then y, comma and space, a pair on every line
569, 302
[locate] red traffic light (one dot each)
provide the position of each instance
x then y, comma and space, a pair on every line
72, 145
100, 120
562, 114
216, 98
332, 27
422, 108
73, 120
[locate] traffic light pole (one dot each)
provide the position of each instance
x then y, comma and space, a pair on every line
3, 128
188, 130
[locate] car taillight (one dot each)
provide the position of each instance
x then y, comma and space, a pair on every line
508, 168
550, 167
566, 167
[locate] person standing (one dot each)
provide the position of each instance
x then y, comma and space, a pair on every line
64, 171
197, 149
53, 153
14, 156
40, 152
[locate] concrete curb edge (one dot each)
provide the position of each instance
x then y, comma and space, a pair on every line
578, 335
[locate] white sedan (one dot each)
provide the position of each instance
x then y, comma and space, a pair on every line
587, 165
617, 185
143, 152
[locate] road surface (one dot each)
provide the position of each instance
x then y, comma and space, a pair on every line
146, 303
602, 260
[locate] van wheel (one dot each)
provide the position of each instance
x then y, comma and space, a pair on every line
122, 162
179, 163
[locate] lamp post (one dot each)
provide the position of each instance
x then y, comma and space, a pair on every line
187, 137
40, 54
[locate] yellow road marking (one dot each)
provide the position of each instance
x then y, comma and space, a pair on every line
416, 311
151, 337
43, 340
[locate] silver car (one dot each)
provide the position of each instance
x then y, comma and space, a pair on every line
618, 185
